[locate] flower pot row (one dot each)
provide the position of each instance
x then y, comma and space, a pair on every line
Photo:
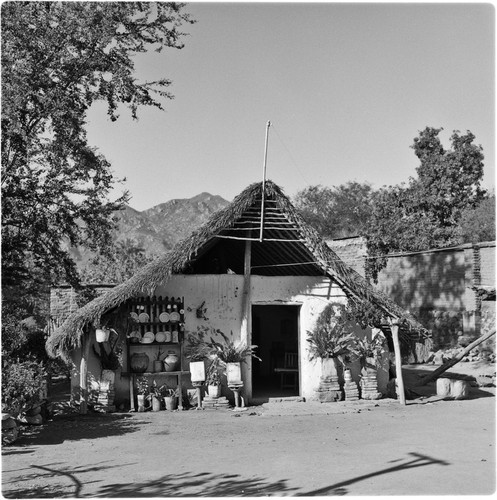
154, 403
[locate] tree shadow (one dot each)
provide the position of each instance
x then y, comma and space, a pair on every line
71, 486
418, 460
203, 484
77, 427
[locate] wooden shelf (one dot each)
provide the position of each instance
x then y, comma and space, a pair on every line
139, 344
181, 372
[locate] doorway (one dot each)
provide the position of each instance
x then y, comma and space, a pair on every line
275, 330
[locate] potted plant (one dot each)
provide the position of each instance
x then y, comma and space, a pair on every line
369, 352
333, 343
232, 354
156, 394
213, 380
171, 398
197, 350
143, 392
158, 363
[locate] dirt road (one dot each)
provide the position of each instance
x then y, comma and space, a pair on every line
439, 447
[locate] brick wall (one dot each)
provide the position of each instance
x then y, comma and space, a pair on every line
435, 285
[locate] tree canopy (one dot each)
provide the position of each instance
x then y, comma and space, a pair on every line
336, 212
444, 205
57, 59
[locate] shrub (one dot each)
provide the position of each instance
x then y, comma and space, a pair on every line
23, 386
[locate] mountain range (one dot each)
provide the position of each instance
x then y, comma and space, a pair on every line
159, 228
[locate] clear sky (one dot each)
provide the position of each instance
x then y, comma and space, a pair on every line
346, 87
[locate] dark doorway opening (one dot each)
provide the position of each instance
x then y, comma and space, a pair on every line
275, 330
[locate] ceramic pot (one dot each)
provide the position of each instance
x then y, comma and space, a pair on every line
370, 366
171, 361
197, 370
102, 335
329, 368
139, 362
234, 373
155, 404
158, 365
214, 391
171, 403
142, 402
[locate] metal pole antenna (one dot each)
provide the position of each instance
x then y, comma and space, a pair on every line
264, 181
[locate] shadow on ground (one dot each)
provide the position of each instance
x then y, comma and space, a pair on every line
203, 484
60, 481
418, 460
74, 428
413, 376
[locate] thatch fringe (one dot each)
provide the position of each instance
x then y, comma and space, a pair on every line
68, 336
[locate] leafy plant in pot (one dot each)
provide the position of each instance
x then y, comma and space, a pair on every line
197, 350
171, 398
156, 395
333, 343
331, 338
369, 352
158, 363
231, 354
213, 381
142, 391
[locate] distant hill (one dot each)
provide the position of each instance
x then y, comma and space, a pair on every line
159, 228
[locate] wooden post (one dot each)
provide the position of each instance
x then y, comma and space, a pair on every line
398, 364
246, 326
83, 372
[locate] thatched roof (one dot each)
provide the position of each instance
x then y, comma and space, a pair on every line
290, 246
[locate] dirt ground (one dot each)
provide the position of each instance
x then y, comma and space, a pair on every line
431, 446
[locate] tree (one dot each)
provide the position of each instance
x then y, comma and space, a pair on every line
426, 213
57, 59
122, 262
448, 181
478, 223
336, 212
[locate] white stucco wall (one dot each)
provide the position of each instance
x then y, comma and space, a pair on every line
222, 298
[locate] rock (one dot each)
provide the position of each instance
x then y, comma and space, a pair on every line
459, 389
438, 358
443, 387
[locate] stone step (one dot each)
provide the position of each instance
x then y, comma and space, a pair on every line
288, 399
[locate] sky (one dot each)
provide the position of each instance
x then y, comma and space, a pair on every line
345, 86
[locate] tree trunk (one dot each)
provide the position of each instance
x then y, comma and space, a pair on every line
455, 360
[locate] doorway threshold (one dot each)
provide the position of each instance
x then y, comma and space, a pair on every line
287, 399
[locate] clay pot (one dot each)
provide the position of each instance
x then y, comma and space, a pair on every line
139, 362
197, 370
329, 368
155, 404
171, 403
158, 365
171, 361
142, 402
214, 391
